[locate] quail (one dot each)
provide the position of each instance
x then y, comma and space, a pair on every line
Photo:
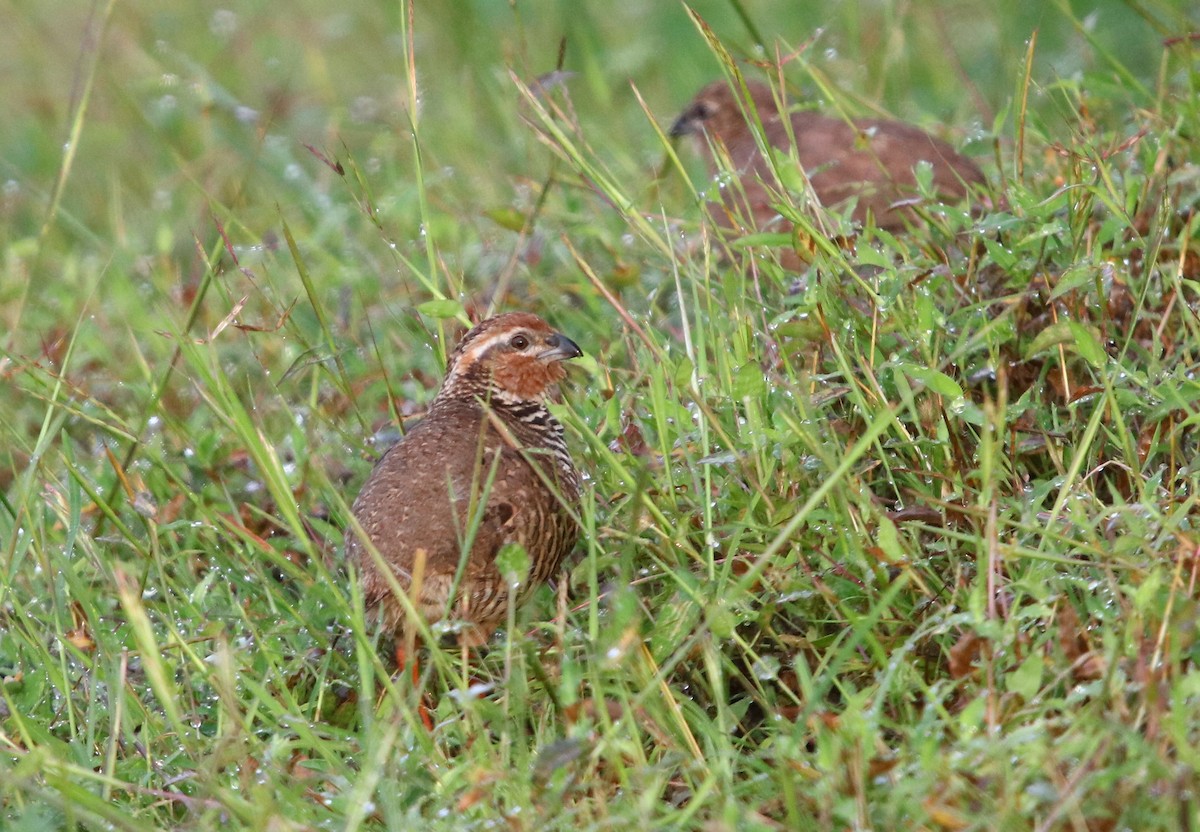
871, 159
486, 467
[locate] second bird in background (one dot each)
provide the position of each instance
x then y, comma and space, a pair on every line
870, 160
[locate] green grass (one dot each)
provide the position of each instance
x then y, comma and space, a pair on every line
911, 544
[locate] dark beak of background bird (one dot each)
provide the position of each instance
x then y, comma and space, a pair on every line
561, 348
686, 123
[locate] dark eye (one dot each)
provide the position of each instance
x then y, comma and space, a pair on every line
519, 342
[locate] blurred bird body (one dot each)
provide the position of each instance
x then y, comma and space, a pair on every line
487, 466
871, 160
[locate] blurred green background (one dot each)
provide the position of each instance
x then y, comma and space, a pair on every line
198, 106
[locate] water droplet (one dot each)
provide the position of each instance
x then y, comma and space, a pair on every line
766, 668
223, 24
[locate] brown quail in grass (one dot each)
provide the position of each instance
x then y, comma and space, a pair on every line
487, 466
871, 159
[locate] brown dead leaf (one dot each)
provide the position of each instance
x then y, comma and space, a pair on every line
946, 817
80, 635
590, 709
964, 653
917, 514
882, 765
804, 770
827, 719
1086, 664
631, 440
169, 513
80, 639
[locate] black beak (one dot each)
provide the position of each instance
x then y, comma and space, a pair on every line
685, 125
560, 348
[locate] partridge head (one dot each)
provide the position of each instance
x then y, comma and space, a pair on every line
488, 466
870, 160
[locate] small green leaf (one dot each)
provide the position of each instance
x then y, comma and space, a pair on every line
1087, 344
888, 539
791, 175
512, 561
1051, 336
999, 255
1026, 680
1073, 278
970, 718
36, 817
935, 380
749, 381
969, 412
1083, 340
612, 417
509, 218
1146, 596
683, 373
721, 619
868, 256
923, 171
441, 309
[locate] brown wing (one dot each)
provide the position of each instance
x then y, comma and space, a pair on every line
875, 163
421, 495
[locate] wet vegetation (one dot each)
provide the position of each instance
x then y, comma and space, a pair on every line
905, 538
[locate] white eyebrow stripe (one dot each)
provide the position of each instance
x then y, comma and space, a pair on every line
479, 347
